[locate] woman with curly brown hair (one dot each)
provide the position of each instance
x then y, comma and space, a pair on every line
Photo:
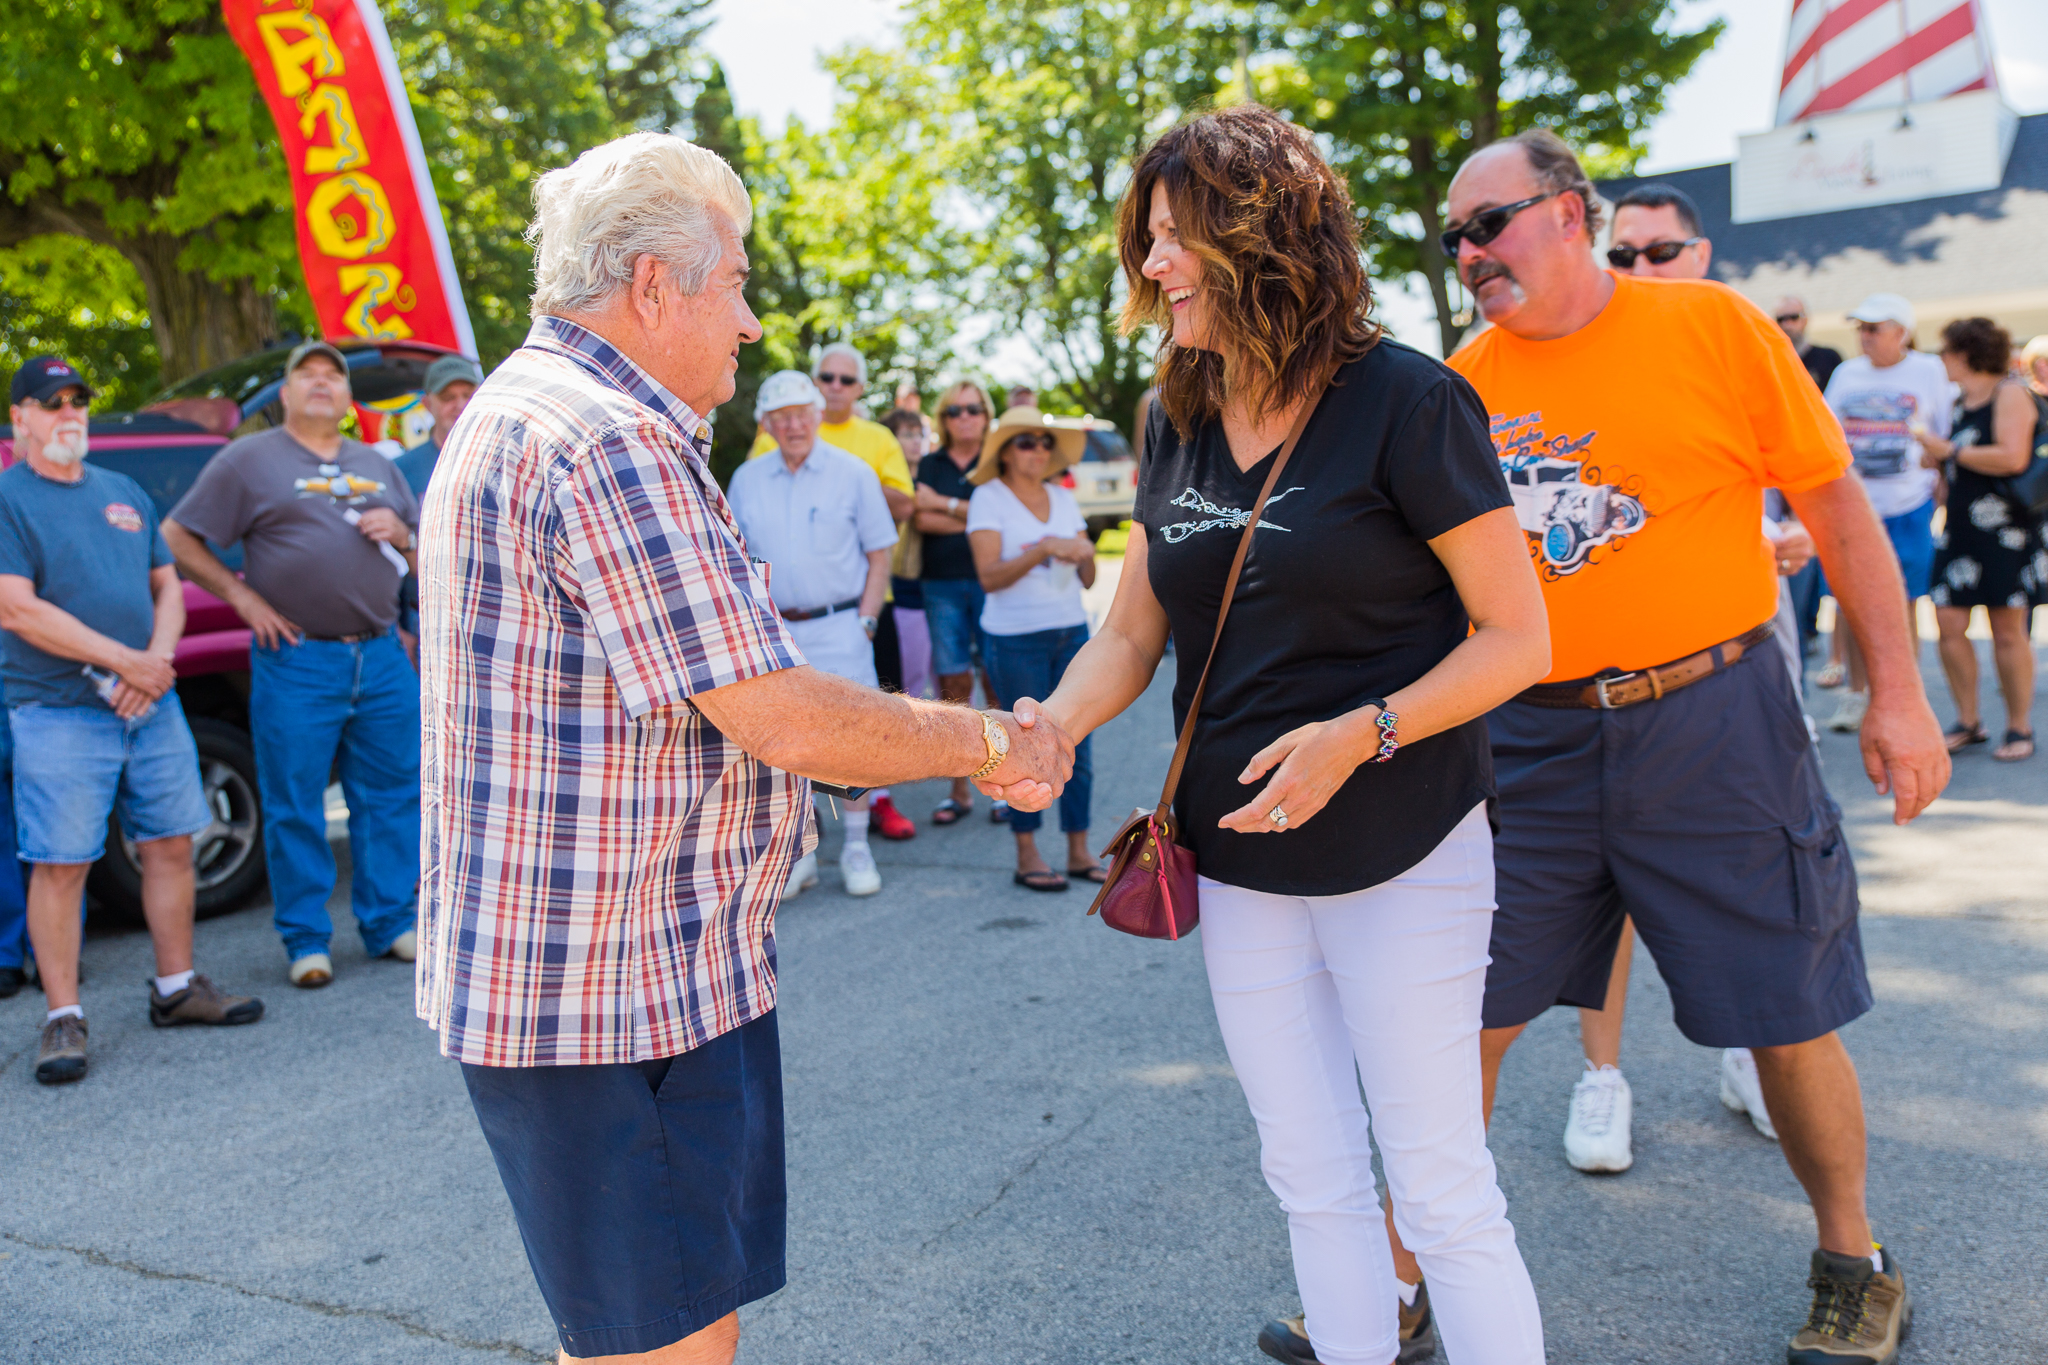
1335, 793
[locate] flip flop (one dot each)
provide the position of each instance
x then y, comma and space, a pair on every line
1047, 880
1094, 872
2012, 739
951, 812
1961, 737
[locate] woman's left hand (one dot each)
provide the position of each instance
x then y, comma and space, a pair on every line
1313, 762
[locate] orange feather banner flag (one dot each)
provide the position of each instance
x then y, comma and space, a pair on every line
371, 239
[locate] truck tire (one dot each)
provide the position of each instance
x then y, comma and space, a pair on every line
227, 856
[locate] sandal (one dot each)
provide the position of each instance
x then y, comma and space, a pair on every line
1960, 736
1043, 880
2015, 739
1831, 674
951, 812
1094, 872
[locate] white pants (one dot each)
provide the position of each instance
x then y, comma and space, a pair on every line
1388, 980
836, 644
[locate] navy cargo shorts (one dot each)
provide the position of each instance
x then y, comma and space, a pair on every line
1703, 816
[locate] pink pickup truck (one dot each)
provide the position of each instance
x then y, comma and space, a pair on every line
163, 448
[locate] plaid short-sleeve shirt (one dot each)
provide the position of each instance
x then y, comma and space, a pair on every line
600, 865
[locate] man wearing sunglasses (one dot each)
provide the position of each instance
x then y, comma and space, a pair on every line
1657, 232
1660, 773
1820, 361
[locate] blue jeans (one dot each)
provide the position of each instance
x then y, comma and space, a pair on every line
1030, 666
306, 703
76, 765
952, 613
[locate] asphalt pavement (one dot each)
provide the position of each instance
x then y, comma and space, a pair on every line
1014, 1137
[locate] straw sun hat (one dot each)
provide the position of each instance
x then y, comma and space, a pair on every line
1069, 434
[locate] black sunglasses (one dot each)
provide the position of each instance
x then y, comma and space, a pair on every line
962, 410
1657, 253
846, 379
1482, 228
77, 402
1031, 441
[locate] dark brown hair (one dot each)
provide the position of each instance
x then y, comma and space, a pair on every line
901, 420
1283, 286
1984, 346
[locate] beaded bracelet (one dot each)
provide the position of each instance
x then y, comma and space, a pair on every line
1386, 721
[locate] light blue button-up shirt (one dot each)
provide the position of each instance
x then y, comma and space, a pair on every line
815, 525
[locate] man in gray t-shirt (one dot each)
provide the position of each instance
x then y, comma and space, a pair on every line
326, 527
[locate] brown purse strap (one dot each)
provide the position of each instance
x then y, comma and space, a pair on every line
1244, 546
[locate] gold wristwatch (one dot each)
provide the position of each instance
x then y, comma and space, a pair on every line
998, 740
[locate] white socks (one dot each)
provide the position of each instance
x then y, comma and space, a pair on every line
1407, 1291
172, 984
856, 826
75, 1011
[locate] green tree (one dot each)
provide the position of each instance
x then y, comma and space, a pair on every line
1407, 89
69, 297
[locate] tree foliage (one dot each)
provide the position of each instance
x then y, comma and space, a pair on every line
1407, 89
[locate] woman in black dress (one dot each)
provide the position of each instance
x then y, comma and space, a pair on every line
1990, 552
1335, 794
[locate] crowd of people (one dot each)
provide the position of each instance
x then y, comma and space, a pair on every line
1485, 712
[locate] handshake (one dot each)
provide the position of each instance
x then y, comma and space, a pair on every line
1040, 761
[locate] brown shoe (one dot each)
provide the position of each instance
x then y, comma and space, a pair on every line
1286, 1339
201, 1002
62, 1056
1859, 1314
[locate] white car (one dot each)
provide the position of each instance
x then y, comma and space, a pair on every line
1569, 519
1105, 479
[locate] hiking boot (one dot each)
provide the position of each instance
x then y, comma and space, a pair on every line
1597, 1135
889, 822
1859, 1314
1287, 1338
1742, 1092
201, 1002
61, 1057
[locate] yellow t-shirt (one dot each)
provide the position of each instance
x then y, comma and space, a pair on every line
1637, 451
870, 441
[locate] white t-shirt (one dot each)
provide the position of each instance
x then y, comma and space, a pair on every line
1047, 598
1878, 409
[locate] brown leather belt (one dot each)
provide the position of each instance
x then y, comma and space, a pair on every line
1645, 684
817, 612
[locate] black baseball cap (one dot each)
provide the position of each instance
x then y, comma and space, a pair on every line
44, 377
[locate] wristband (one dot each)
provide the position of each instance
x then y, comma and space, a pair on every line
1388, 724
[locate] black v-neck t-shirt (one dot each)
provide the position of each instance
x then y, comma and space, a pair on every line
1341, 600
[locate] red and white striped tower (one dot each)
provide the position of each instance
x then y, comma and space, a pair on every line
1869, 54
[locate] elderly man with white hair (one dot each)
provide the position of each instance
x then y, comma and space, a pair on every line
816, 514
616, 718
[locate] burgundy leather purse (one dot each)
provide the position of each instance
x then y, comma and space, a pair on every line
1151, 891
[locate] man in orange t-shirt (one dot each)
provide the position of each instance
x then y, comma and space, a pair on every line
1661, 772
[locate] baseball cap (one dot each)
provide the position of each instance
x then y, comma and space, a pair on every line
786, 389
1885, 308
315, 347
43, 377
452, 368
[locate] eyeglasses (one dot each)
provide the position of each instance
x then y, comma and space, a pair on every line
1657, 253
1482, 228
848, 380
77, 402
1031, 441
1784, 318
962, 410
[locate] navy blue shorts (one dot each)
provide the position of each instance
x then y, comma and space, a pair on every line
650, 1195
1704, 817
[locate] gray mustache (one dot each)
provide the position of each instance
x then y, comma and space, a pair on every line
1482, 271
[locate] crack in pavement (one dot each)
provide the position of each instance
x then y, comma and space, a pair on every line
1011, 1180
12, 1059
333, 1310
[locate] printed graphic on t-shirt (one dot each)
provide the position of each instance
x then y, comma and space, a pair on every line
1217, 518
122, 517
1562, 503
1880, 431
332, 483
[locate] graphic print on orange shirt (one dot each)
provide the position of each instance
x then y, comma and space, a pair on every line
1568, 505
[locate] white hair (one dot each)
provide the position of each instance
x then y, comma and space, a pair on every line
645, 194
860, 366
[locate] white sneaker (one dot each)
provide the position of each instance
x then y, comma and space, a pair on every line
804, 874
406, 947
1742, 1092
312, 971
857, 866
1849, 715
1596, 1137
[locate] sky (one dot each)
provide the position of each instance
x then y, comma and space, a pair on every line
770, 48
